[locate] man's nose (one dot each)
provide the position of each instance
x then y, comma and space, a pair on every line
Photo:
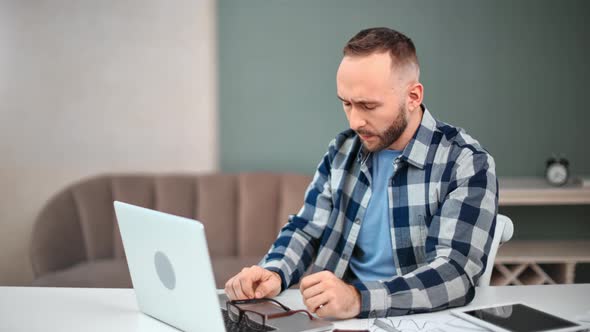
356, 119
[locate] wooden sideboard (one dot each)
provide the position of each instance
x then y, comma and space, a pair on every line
538, 262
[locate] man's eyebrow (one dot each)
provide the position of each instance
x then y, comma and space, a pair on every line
360, 101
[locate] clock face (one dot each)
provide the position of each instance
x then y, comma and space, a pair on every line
557, 174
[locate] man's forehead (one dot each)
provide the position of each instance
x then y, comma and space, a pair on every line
376, 67
365, 89
359, 76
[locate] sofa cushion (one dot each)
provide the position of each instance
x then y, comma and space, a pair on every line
76, 233
113, 273
108, 273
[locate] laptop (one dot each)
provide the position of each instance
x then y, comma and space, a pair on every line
172, 276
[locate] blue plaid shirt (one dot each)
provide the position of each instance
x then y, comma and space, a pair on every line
443, 198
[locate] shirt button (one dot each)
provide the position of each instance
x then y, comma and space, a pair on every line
344, 256
357, 221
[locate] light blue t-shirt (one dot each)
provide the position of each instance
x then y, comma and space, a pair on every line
373, 257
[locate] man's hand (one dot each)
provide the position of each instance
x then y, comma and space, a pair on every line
327, 296
253, 282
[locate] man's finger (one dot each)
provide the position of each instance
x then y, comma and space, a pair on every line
262, 290
255, 275
311, 280
246, 288
312, 291
229, 289
267, 288
314, 303
323, 311
238, 289
247, 283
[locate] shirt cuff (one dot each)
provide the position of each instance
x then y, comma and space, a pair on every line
374, 298
281, 274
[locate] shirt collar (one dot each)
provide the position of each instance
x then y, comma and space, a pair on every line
416, 152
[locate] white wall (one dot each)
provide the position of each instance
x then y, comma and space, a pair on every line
98, 86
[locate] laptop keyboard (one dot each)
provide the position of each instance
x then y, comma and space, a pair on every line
231, 326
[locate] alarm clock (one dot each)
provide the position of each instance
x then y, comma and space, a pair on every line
557, 171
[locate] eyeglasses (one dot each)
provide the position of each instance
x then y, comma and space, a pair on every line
257, 320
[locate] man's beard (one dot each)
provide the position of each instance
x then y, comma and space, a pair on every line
391, 134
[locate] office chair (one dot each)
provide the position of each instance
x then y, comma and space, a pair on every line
502, 234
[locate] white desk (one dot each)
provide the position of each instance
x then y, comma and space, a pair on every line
87, 309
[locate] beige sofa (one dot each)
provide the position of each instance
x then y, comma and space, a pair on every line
76, 241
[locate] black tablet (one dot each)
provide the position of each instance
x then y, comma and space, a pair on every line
516, 317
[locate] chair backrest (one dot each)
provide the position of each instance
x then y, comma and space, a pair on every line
502, 234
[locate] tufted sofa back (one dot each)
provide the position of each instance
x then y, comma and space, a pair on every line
242, 213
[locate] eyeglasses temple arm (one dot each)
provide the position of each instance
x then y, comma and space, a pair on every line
289, 313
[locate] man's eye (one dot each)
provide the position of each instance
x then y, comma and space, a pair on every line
346, 104
369, 107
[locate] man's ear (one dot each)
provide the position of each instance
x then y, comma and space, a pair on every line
415, 95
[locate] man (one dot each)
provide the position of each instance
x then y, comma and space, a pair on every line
401, 211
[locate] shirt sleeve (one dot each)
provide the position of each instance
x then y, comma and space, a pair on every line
457, 247
298, 241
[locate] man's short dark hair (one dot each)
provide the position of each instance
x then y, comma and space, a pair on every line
377, 40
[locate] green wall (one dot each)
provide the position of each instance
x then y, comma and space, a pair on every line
512, 73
